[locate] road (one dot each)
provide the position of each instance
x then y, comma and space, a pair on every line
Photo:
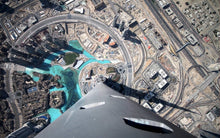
185, 22
11, 98
190, 28
84, 19
143, 50
172, 35
178, 98
202, 86
6, 14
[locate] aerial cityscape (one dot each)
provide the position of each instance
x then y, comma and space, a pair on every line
162, 54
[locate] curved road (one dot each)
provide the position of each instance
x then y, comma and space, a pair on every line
85, 19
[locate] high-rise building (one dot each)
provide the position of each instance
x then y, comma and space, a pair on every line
105, 113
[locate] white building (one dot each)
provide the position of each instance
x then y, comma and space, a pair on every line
146, 105
192, 39
158, 107
152, 74
77, 64
169, 11
210, 116
79, 10
162, 83
22, 27
69, 1
163, 3
163, 73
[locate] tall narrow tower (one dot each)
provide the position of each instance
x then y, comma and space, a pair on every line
105, 113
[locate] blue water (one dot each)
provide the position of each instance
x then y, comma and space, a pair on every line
54, 114
57, 89
69, 78
93, 60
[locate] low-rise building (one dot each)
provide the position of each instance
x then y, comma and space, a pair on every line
186, 121
176, 20
112, 44
162, 83
77, 64
210, 116
163, 73
152, 74
13, 35
173, 16
169, 11
61, 61
89, 75
155, 42
179, 25
32, 20
192, 39
106, 39
158, 107
185, 33
68, 2
79, 10
18, 30
146, 105
163, 3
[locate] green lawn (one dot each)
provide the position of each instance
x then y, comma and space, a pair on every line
69, 58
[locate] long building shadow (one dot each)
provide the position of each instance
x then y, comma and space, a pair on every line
46, 66
52, 57
51, 5
3, 94
70, 48
208, 134
140, 95
43, 66
131, 37
38, 62
6, 8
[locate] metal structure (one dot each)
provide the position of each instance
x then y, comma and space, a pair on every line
103, 112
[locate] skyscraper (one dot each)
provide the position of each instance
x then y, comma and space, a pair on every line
105, 113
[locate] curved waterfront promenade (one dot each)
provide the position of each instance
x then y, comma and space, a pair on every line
84, 19
69, 78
